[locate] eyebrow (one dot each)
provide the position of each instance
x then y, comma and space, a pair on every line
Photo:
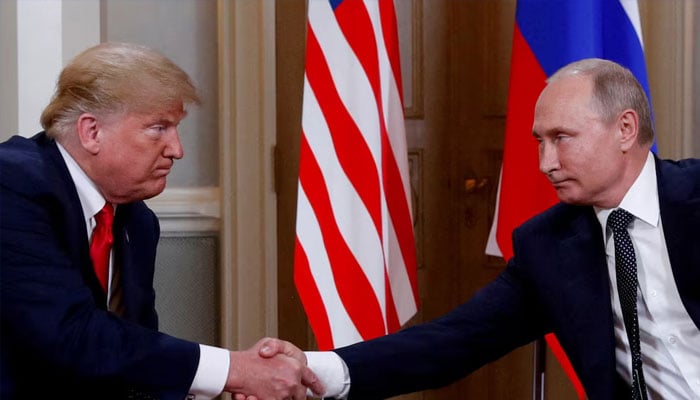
550, 131
163, 121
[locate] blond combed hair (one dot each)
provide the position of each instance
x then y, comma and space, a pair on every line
113, 78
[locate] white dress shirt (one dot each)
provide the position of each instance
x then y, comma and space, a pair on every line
669, 340
212, 371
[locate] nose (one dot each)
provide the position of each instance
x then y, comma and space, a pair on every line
549, 159
173, 148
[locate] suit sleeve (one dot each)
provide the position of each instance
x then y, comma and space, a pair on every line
498, 319
48, 318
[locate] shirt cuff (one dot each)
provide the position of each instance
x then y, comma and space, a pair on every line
212, 372
332, 371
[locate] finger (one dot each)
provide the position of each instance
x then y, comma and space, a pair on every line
310, 380
300, 392
292, 351
270, 347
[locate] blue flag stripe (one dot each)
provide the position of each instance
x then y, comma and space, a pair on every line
563, 31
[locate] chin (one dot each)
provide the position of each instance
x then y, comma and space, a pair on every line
156, 190
565, 196
152, 190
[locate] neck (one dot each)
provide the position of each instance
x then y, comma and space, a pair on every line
635, 160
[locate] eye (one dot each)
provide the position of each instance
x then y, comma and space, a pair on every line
561, 136
158, 129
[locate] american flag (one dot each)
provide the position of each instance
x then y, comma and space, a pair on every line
355, 260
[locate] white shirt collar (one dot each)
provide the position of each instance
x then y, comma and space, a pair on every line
642, 198
91, 199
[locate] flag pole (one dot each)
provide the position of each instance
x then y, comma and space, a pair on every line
539, 363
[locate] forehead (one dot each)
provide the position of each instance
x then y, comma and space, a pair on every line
573, 89
172, 113
565, 99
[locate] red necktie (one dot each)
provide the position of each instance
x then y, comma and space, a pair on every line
101, 243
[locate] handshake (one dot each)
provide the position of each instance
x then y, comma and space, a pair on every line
272, 369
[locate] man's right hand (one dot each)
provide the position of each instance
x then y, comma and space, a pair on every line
283, 376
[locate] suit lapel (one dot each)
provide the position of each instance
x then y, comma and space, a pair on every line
588, 292
73, 220
135, 242
123, 259
680, 214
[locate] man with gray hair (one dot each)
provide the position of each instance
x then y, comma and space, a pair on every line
613, 270
78, 246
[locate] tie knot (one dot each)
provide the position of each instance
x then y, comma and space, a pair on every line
105, 215
619, 220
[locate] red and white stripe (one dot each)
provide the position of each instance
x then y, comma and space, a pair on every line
355, 262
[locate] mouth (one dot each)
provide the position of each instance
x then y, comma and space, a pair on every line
164, 167
558, 183
161, 172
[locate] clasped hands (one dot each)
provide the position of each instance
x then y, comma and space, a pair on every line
272, 369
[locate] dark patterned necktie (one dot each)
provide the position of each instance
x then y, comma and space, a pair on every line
626, 272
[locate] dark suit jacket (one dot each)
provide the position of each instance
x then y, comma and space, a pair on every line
556, 282
56, 337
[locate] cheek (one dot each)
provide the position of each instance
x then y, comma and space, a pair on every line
133, 167
582, 156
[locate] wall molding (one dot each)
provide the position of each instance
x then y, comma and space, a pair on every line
188, 212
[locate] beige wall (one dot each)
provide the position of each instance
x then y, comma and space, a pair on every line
37, 38
8, 69
670, 32
185, 31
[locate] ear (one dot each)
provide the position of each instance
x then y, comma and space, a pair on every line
628, 123
88, 132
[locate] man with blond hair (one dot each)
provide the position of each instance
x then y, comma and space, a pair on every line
77, 305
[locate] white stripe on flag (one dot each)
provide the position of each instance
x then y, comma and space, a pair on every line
393, 121
631, 8
350, 80
400, 282
311, 239
352, 218
492, 247
366, 108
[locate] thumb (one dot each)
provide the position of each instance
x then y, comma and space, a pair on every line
269, 348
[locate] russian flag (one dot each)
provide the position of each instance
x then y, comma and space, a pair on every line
548, 35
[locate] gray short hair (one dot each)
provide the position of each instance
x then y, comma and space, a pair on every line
615, 88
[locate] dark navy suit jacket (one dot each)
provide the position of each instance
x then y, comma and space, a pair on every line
556, 282
56, 337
